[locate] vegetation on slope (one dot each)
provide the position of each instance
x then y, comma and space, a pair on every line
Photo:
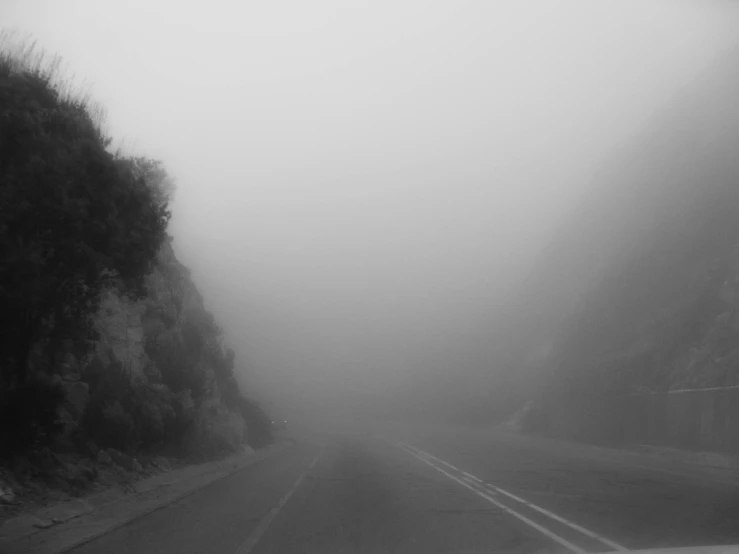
105, 342
658, 244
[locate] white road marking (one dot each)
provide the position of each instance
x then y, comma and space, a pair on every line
555, 517
493, 488
478, 492
472, 477
249, 544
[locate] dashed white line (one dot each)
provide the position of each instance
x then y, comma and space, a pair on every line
543, 530
249, 544
562, 520
494, 489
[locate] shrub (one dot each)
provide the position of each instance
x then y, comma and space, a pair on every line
72, 218
113, 426
258, 423
28, 417
178, 367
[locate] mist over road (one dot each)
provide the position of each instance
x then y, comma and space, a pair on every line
438, 489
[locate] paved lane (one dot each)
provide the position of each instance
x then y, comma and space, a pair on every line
368, 496
445, 491
216, 519
638, 501
354, 494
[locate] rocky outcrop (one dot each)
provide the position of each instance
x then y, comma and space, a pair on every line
659, 311
140, 400
121, 331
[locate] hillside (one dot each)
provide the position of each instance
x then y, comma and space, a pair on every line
647, 273
111, 366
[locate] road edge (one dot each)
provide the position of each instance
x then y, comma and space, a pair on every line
43, 539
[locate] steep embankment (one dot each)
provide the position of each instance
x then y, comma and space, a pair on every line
160, 376
109, 359
646, 278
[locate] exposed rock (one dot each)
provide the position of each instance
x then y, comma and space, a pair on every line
78, 394
162, 463
75, 475
49, 379
68, 421
186, 404
7, 496
723, 318
152, 373
104, 458
121, 459
135, 335
136, 466
121, 332
90, 449
43, 523
69, 369
217, 429
89, 471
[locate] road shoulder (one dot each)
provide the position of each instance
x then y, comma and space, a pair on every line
70, 524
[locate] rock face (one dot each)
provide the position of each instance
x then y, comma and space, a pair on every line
104, 457
121, 332
78, 394
661, 313
121, 459
163, 348
217, 428
7, 496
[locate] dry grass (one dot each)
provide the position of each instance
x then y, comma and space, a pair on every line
20, 53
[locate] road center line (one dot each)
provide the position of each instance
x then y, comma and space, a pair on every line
493, 488
478, 492
249, 544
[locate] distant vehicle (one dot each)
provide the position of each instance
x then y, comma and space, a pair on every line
280, 424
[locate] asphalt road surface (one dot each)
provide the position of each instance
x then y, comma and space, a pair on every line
445, 491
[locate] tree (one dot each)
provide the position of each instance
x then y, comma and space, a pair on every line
154, 174
73, 219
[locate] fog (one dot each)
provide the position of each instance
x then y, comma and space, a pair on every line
364, 187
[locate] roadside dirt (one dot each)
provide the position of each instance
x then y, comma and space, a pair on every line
45, 478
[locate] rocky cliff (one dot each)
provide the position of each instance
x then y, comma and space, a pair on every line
108, 356
648, 297
158, 377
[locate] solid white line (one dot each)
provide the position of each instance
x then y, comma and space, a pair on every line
539, 509
547, 532
267, 520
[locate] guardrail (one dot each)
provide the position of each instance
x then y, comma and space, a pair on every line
701, 419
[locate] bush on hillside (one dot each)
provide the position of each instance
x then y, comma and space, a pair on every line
75, 220
257, 421
179, 369
130, 415
28, 416
72, 220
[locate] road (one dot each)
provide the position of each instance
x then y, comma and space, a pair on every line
445, 491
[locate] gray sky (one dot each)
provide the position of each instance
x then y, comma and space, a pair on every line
362, 184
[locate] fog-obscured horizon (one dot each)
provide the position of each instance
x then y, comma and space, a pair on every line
366, 192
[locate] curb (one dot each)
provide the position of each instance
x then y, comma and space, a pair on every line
26, 525
43, 527
251, 460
